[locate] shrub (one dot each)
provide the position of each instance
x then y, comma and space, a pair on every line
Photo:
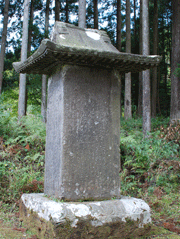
144, 160
22, 154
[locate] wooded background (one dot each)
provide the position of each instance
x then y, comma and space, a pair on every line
150, 167
136, 26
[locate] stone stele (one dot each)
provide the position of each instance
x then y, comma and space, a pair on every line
83, 114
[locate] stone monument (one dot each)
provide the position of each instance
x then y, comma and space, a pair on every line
83, 127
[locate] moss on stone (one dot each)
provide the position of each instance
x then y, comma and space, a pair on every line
84, 229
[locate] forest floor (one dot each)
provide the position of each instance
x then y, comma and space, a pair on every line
150, 170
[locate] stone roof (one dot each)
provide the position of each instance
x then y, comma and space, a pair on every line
85, 47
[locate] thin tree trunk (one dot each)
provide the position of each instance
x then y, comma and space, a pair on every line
127, 101
135, 20
95, 14
30, 25
82, 14
155, 50
3, 42
128, 27
44, 77
163, 45
158, 100
119, 25
140, 95
175, 80
146, 74
119, 40
67, 11
140, 73
22, 78
57, 9
47, 19
44, 98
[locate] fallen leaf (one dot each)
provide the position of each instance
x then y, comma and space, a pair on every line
17, 214
171, 227
158, 192
19, 229
27, 147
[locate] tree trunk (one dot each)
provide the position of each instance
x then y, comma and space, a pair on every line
127, 101
44, 77
67, 11
47, 19
146, 74
135, 20
158, 100
82, 14
119, 25
22, 78
155, 51
30, 26
95, 14
3, 42
175, 80
118, 43
140, 73
44, 98
57, 9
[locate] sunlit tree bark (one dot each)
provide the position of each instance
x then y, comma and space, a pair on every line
127, 101
44, 77
146, 74
22, 78
82, 14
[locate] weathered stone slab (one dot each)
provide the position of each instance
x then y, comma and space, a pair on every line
96, 213
83, 128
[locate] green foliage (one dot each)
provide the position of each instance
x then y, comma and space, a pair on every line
8, 105
9, 97
10, 78
177, 72
152, 161
22, 151
34, 83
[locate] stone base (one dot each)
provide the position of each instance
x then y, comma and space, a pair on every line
97, 219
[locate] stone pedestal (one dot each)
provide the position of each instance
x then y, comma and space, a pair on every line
122, 218
83, 131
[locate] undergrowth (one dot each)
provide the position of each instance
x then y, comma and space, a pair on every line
22, 153
150, 168
149, 162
